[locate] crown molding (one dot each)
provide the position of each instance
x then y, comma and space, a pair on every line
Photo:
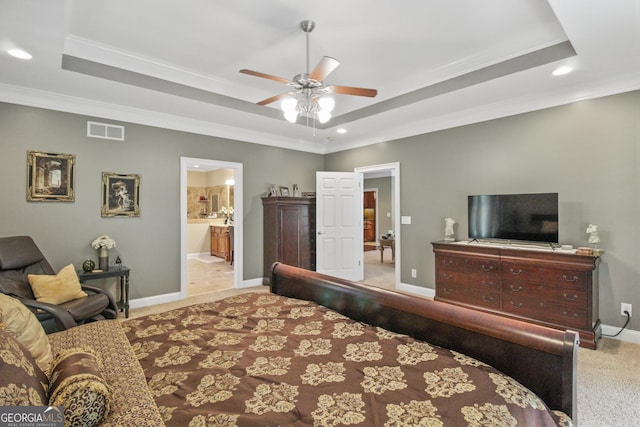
76, 105
87, 107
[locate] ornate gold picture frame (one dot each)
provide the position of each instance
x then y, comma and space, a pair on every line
120, 194
50, 177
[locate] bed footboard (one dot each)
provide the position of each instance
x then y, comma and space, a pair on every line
542, 359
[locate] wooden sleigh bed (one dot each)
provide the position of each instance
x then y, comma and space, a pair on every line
324, 351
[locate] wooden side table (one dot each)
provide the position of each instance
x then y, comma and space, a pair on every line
122, 272
387, 243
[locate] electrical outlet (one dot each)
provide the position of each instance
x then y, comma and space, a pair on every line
625, 307
414, 273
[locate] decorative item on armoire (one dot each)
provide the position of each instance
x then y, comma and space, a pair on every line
448, 230
103, 244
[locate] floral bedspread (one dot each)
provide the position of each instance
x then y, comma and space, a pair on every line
265, 360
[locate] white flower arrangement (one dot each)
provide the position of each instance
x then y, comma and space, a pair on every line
103, 242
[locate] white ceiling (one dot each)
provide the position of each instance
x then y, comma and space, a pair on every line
435, 64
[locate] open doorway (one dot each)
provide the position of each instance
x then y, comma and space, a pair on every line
211, 225
381, 225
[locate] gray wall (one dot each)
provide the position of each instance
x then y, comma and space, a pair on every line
588, 152
149, 244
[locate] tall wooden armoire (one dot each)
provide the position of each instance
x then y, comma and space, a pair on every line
369, 222
289, 227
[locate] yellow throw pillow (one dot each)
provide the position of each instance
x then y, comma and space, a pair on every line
63, 287
22, 324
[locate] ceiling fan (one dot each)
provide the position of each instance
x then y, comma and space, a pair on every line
309, 95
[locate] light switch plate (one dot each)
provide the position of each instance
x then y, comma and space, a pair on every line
405, 220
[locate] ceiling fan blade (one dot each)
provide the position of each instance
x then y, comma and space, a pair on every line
326, 65
348, 90
272, 99
265, 76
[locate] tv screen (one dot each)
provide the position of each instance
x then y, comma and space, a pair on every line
523, 217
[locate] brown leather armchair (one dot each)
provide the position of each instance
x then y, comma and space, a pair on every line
20, 256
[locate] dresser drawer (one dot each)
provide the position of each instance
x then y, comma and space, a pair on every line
540, 274
471, 295
542, 292
469, 265
546, 311
450, 277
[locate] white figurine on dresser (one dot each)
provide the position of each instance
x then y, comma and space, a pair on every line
448, 230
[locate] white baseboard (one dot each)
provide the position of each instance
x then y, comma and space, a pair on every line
418, 290
156, 299
628, 335
177, 296
197, 254
251, 283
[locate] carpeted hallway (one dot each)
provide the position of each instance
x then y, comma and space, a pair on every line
376, 273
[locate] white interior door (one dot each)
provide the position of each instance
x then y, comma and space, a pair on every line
339, 224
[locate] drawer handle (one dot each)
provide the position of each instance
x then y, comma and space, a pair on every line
515, 273
569, 279
570, 298
487, 268
487, 283
487, 299
447, 290
514, 305
566, 314
447, 262
518, 289
447, 276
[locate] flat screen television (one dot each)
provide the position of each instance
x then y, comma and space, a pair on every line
521, 217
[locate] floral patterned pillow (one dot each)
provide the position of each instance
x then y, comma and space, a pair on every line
22, 382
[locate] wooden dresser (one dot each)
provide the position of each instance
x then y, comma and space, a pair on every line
289, 232
554, 289
220, 241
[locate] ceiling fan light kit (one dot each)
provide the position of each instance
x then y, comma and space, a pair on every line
308, 104
310, 97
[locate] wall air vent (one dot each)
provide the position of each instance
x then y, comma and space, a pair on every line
105, 131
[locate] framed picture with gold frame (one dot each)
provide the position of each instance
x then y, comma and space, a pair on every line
120, 194
50, 177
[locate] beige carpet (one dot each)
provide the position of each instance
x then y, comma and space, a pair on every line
379, 274
609, 385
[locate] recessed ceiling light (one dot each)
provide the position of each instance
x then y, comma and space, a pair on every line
342, 130
19, 53
560, 71
196, 166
